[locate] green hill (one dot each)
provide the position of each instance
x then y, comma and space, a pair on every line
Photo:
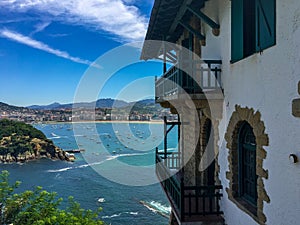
9, 108
21, 142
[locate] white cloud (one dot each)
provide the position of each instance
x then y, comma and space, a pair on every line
40, 27
41, 46
114, 16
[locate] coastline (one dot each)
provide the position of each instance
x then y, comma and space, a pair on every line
9, 159
2, 161
104, 121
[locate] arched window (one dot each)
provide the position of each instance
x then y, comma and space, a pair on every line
247, 164
246, 139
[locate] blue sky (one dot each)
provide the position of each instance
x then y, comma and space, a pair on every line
47, 45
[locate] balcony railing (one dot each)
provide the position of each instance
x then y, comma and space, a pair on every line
171, 160
190, 203
199, 77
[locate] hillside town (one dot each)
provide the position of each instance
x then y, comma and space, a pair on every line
80, 114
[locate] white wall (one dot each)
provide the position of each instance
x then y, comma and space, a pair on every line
267, 83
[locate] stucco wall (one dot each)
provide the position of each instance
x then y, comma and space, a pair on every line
268, 84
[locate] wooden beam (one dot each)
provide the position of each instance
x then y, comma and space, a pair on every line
192, 30
180, 14
207, 20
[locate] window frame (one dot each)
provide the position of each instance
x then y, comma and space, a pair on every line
238, 117
245, 130
264, 29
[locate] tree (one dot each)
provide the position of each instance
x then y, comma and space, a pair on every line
40, 207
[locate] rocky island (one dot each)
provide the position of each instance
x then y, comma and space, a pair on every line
20, 142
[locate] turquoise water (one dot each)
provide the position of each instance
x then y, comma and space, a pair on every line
99, 176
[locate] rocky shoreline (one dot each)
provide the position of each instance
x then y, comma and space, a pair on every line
20, 142
41, 149
27, 156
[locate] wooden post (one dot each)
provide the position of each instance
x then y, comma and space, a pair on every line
182, 202
165, 56
165, 139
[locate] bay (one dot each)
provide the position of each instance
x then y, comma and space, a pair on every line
93, 178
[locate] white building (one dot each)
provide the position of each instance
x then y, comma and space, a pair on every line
245, 112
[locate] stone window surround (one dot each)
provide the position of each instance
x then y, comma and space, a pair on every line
239, 116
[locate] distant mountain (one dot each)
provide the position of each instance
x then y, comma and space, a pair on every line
144, 102
8, 108
46, 107
147, 106
100, 103
109, 103
58, 112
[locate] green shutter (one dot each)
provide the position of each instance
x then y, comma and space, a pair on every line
236, 30
265, 24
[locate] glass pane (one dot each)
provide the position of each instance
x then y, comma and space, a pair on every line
248, 177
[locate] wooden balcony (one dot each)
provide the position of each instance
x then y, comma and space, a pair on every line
189, 203
201, 80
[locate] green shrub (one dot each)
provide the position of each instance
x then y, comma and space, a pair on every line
40, 207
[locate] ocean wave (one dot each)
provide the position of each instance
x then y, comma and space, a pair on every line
56, 137
129, 154
74, 167
112, 157
112, 216
109, 158
120, 214
60, 170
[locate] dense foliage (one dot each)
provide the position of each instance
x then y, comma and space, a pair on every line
40, 207
9, 127
19, 135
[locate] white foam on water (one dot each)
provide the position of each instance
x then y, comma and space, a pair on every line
160, 207
119, 214
60, 170
56, 137
157, 207
112, 216
150, 208
109, 158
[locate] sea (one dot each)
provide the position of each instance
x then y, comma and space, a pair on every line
116, 170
